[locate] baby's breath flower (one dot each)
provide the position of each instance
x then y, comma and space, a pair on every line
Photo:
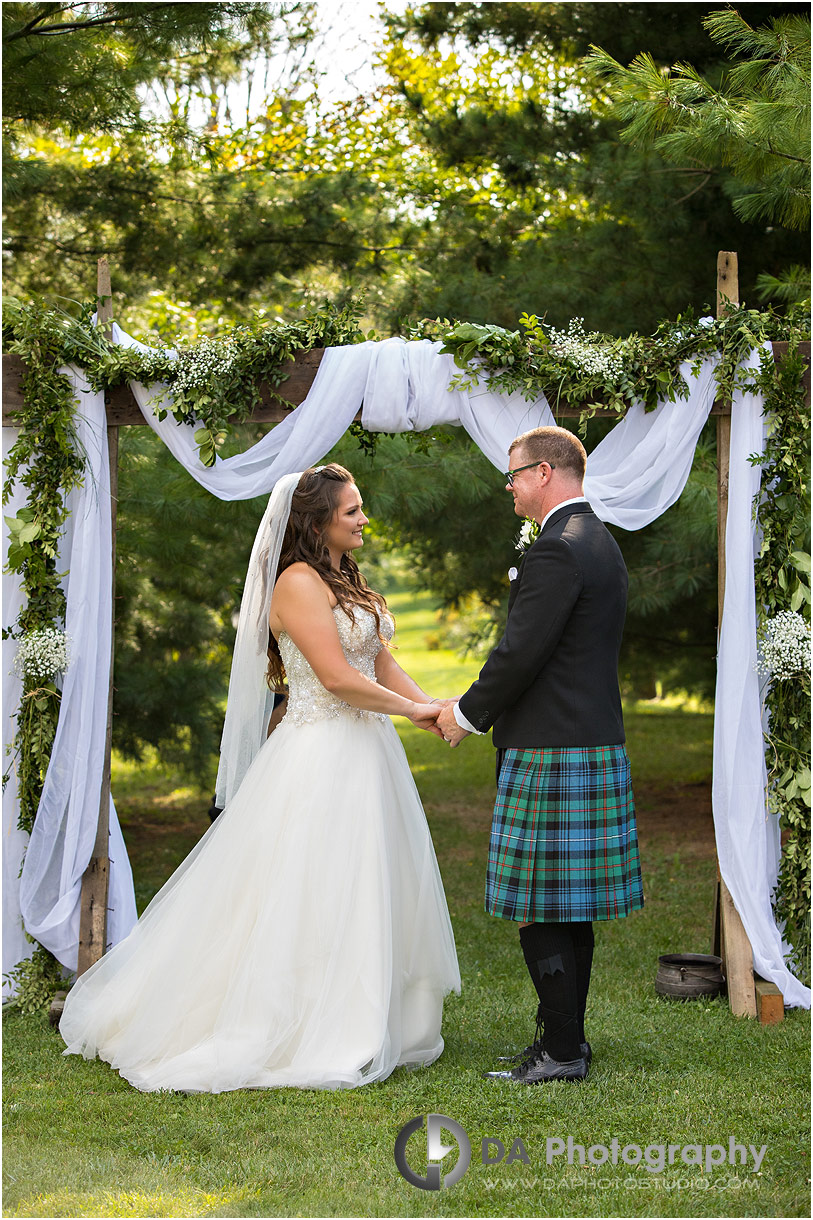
784, 646
588, 353
199, 365
42, 654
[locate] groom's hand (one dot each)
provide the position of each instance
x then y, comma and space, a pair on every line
449, 727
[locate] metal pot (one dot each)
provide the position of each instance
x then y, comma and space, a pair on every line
689, 976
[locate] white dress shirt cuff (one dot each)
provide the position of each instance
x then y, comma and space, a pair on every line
463, 722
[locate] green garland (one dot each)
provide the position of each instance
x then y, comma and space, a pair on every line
214, 384
47, 460
598, 372
36, 979
782, 573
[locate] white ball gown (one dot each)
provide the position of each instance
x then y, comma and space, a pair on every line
305, 941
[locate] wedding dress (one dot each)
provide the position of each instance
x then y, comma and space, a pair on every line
305, 941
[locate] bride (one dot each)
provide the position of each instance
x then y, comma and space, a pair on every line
305, 941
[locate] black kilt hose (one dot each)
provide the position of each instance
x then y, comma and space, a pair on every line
564, 844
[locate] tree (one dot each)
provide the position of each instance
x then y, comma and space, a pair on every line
756, 123
109, 111
80, 67
181, 561
554, 207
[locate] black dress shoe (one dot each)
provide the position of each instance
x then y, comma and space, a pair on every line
542, 1068
530, 1052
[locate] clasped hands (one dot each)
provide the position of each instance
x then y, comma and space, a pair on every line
438, 717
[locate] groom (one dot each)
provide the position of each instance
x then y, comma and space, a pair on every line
564, 848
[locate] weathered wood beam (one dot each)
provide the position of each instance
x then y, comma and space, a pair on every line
94, 900
123, 410
737, 955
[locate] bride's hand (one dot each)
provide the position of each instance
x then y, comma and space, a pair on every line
424, 715
439, 703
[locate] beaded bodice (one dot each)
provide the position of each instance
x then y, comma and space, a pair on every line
308, 701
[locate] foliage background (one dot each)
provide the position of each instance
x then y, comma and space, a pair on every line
489, 172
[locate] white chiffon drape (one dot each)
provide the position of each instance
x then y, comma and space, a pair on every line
47, 894
633, 476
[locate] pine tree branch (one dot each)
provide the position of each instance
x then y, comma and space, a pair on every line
785, 156
21, 242
695, 189
28, 29
288, 240
66, 27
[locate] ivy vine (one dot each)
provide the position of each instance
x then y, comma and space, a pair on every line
47, 460
782, 572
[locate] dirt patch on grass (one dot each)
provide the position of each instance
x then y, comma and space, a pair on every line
675, 816
157, 825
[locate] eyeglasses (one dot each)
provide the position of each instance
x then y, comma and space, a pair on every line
509, 474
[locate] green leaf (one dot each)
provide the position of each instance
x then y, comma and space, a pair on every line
29, 532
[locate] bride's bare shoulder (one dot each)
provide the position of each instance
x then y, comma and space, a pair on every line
300, 582
296, 574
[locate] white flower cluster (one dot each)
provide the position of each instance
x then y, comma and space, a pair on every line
198, 366
527, 535
42, 654
585, 352
784, 646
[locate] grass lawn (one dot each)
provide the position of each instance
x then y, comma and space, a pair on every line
78, 1141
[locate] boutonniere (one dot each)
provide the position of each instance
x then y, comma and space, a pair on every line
528, 534
513, 573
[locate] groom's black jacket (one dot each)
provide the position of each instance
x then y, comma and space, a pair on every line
553, 678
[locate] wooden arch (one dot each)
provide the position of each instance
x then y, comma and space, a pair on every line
748, 994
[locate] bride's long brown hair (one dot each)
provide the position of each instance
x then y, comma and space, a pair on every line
313, 507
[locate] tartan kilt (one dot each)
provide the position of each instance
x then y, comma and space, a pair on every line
564, 845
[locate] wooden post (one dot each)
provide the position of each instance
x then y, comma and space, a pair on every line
727, 291
96, 881
735, 947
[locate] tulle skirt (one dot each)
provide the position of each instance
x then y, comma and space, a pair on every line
304, 942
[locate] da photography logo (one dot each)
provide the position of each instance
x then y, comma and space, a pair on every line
436, 1150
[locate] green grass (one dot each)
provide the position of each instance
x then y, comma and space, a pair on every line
79, 1141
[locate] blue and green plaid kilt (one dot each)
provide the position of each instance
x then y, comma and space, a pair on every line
564, 846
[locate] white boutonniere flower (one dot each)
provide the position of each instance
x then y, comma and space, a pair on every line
528, 534
513, 573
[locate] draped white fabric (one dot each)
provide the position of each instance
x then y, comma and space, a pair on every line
403, 386
64, 832
748, 837
641, 467
634, 475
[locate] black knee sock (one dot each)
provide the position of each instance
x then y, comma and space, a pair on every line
550, 958
583, 941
